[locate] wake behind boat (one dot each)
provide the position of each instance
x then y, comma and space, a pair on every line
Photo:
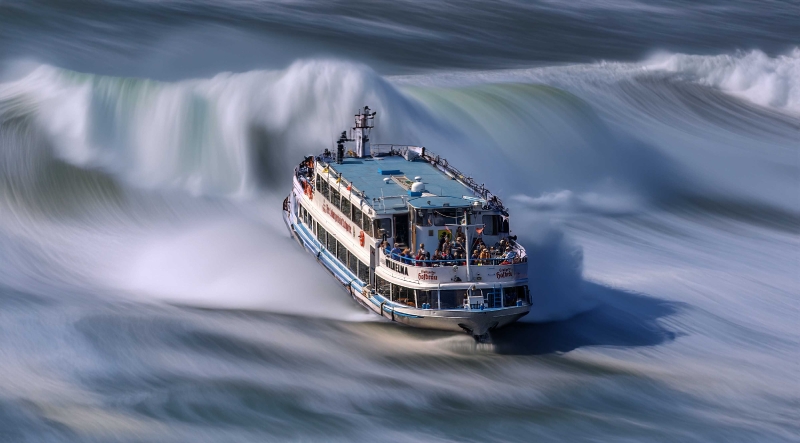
373, 214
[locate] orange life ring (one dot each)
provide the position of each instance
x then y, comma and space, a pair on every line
361, 238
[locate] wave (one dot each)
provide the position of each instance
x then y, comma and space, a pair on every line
754, 76
223, 135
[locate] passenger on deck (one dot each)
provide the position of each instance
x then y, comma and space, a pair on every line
476, 256
444, 238
420, 254
457, 247
395, 252
428, 260
406, 256
485, 256
477, 243
437, 255
447, 256
461, 258
502, 244
460, 237
509, 256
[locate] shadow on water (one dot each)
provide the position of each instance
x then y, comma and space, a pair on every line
620, 319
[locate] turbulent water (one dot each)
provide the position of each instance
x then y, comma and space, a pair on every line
650, 154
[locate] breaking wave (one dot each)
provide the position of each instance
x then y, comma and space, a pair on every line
754, 76
220, 136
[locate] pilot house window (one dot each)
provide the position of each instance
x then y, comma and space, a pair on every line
445, 216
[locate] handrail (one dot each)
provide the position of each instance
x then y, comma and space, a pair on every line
492, 200
495, 261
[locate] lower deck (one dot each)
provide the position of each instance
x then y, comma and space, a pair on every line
436, 309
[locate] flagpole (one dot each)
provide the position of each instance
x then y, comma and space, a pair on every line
466, 247
466, 240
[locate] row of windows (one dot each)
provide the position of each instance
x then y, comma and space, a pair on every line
343, 204
493, 224
333, 246
451, 299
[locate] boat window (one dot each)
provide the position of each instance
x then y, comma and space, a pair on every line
357, 216
514, 293
403, 295
385, 225
322, 235
336, 199
368, 224
452, 299
363, 272
382, 286
444, 216
330, 243
352, 263
428, 297
346, 207
424, 217
491, 224
322, 185
341, 252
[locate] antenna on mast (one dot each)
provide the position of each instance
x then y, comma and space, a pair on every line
364, 122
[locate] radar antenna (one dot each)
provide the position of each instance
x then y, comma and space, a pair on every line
364, 122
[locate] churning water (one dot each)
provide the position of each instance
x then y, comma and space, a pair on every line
650, 154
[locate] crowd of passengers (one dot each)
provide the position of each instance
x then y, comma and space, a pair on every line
452, 252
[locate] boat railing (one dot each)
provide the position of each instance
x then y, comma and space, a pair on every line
479, 190
380, 149
496, 261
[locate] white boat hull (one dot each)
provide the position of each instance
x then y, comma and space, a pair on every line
473, 321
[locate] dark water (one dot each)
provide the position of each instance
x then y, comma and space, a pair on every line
149, 291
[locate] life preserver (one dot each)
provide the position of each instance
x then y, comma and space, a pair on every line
361, 238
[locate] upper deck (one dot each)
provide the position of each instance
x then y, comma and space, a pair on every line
380, 180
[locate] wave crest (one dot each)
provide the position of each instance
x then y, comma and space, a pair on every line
754, 76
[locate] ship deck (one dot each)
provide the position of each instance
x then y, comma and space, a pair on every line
368, 174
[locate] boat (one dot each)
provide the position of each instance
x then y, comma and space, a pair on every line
373, 215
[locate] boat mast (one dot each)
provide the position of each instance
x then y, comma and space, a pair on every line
361, 131
468, 253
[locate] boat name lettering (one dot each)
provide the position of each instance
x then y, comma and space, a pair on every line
396, 267
427, 275
336, 217
504, 272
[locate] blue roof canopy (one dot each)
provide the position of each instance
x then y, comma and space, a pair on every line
368, 175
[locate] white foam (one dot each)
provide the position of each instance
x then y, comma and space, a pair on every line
233, 264
199, 134
754, 76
